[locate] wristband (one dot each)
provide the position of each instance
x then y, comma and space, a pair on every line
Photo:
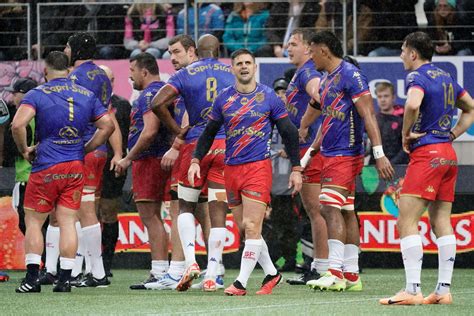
195, 160
307, 156
452, 136
297, 169
378, 152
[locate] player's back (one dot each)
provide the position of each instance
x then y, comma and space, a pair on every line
438, 105
94, 78
63, 112
199, 84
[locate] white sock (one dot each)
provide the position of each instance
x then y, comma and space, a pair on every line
52, 249
159, 268
265, 261
66, 263
446, 257
412, 254
187, 234
93, 240
176, 269
216, 246
32, 258
320, 265
80, 254
351, 258
336, 254
250, 255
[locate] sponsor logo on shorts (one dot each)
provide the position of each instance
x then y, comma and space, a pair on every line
430, 189
326, 180
436, 162
42, 202
91, 176
253, 193
76, 196
61, 176
216, 151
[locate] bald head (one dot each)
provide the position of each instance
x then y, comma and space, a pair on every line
208, 46
109, 73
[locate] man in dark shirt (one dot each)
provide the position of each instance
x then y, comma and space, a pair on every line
390, 121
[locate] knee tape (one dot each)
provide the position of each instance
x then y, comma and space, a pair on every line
88, 195
188, 194
332, 198
218, 195
349, 204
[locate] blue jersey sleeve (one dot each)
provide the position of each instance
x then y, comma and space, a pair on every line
177, 81
307, 75
458, 90
31, 99
356, 83
216, 110
98, 110
414, 80
278, 109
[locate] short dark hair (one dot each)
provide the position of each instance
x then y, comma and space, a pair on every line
146, 61
330, 40
57, 60
306, 34
421, 42
185, 40
242, 51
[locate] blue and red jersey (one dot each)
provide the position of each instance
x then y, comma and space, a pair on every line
95, 79
438, 106
141, 107
199, 84
342, 126
297, 99
248, 120
63, 112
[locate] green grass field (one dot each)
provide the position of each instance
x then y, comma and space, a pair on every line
286, 300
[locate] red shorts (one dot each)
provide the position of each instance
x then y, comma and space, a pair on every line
212, 165
174, 180
60, 184
431, 173
312, 172
252, 180
148, 180
341, 171
94, 163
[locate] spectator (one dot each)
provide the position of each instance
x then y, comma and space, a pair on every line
146, 28
245, 27
390, 122
211, 20
450, 33
284, 18
13, 30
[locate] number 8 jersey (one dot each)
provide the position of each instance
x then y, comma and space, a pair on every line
438, 106
199, 84
63, 112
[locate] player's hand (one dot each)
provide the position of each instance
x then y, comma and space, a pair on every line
303, 132
169, 158
143, 45
30, 153
407, 140
194, 171
384, 168
282, 153
113, 162
121, 166
295, 182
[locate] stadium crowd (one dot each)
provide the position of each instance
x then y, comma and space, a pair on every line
201, 140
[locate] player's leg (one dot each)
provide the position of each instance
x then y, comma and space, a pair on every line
33, 249
108, 210
440, 220
351, 247
52, 251
202, 216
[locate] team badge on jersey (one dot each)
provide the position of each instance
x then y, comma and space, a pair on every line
260, 97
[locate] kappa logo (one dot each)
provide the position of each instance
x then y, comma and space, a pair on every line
430, 189
42, 202
356, 74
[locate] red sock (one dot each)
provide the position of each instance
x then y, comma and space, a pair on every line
337, 273
351, 276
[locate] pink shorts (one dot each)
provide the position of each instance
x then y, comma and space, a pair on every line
60, 184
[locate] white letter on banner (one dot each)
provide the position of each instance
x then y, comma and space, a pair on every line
134, 229
122, 237
462, 231
378, 234
391, 232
